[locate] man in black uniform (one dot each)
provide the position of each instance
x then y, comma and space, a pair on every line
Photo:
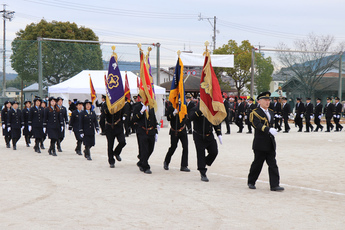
232, 109
36, 116
15, 123
239, 114
286, 110
26, 132
338, 107
318, 115
277, 109
178, 131
329, 112
114, 129
102, 117
136, 103
147, 134
4, 114
309, 107
249, 108
190, 106
227, 118
299, 113
264, 145
127, 110
64, 116
204, 139
74, 124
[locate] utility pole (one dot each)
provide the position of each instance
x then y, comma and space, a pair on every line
158, 82
252, 74
215, 31
5, 15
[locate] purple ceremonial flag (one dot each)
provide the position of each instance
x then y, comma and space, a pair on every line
150, 72
115, 90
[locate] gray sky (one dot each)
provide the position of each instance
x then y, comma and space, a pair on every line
175, 23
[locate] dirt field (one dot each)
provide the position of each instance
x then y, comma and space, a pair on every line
38, 191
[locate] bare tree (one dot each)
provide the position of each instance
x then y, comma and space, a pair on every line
310, 65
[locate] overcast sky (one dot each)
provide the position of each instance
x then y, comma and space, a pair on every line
176, 26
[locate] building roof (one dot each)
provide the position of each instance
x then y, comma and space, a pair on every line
33, 87
12, 89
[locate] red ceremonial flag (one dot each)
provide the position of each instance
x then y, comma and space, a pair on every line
93, 92
127, 89
211, 101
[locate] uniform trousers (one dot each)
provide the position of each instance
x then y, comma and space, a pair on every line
308, 124
259, 158
329, 124
182, 136
286, 124
146, 146
337, 125
111, 135
317, 123
201, 144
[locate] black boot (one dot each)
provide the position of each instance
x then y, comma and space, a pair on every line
42, 145
87, 153
14, 143
58, 146
7, 140
27, 140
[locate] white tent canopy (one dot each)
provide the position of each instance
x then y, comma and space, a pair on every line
218, 60
79, 87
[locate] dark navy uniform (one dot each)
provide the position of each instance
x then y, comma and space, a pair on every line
53, 122
114, 129
309, 108
204, 140
102, 106
26, 133
190, 106
249, 109
299, 110
318, 115
329, 112
178, 131
64, 117
87, 126
239, 116
127, 117
337, 115
15, 123
146, 131
286, 110
227, 118
277, 109
5, 132
36, 117
74, 125
264, 146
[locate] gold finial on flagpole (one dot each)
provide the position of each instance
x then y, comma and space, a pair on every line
139, 46
114, 54
178, 53
206, 44
148, 50
113, 48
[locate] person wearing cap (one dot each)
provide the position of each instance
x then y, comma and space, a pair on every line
239, 114
15, 123
299, 114
204, 140
25, 113
309, 108
72, 105
43, 106
277, 108
249, 108
102, 117
35, 123
337, 114
53, 124
74, 125
178, 131
286, 110
87, 126
329, 112
264, 145
114, 129
147, 134
4, 115
318, 114
64, 116
190, 106
227, 118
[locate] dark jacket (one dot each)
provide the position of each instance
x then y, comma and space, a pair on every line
25, 116
74, 122
309, 109
299, 109
88, 123
53, 121
277, 108
114, 122
4, 114
36, 118
338, 108
15, 121
329, 110
240, 109
176, 127
286, 110
145, 126
318, 110
263, 140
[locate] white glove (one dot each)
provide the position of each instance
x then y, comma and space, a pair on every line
97, 131
3, 126
301, 115
276, 116
70, 132
280, 116
245, 117
175, 112
321, 114
124, 118
338, 116
61, 128
319, 117
143, 108
44, 130
82, 135
240, 116
273, 131
67, 126
295, 114
156, 137
29, 128
158, 127
311, 117
8, 129
335, 116
220, 139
